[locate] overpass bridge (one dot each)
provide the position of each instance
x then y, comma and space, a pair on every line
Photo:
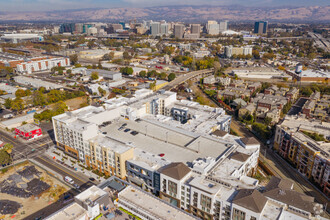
183, 78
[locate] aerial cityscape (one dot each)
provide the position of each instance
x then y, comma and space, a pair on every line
165, 110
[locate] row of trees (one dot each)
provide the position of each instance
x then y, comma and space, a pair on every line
57, 108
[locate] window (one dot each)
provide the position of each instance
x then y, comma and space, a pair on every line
172, 187
253, 218
238, 215
205, 202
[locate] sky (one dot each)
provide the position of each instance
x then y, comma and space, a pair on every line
49, 5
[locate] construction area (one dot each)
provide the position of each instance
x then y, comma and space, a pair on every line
25, 189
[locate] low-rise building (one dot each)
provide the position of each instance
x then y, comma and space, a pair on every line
28, 131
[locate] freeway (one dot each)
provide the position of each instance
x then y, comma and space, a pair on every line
183, 78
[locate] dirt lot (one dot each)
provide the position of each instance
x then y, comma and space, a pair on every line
76, 102
32, 203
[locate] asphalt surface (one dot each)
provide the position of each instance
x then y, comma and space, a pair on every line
23, 149
78, 177
182, 78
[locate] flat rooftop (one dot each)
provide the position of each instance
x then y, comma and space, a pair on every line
176, 144
93, 193
151, 204
71, 212
115, 145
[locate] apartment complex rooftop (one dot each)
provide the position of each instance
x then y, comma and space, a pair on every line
295, 123
151, 205
175, 144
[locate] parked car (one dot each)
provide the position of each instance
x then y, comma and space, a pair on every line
76, 186
127, 130
92, 179
134, 133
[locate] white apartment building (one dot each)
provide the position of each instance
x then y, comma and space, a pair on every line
42, 65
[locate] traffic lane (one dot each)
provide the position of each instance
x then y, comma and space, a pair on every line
80, 180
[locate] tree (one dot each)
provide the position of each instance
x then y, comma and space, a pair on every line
5, 154
8, 103
91, 44
171, 77
255, 54
94, 75
73, 59
102, 91
17, 104
20, 93
162, 76
38, 98
216, 66
126, 70
267, 121
152, 85
143, 74
126, 56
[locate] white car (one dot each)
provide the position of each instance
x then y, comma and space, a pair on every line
69, 180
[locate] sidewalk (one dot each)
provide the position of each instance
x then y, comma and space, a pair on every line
60, 158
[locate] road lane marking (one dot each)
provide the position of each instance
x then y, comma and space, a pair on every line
61, 169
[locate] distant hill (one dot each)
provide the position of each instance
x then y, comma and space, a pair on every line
177, 13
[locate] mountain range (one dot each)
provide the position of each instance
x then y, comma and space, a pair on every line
177, 13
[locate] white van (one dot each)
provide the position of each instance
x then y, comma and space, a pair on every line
69, 180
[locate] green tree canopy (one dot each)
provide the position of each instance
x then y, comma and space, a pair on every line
171, 77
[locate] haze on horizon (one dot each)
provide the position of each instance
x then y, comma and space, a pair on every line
50, 5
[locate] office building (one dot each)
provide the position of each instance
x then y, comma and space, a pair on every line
260, 27
196, 29
223, 26
178, 31
212, 27
67, 28
79, 28
163, 29
155, 29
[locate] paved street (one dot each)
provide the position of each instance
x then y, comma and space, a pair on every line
78, 177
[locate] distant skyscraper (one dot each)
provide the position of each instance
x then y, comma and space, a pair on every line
223, 26
155, 28
212, 27
178, 31
164, 29
79, 28
196, 29
67, 28
260, 27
